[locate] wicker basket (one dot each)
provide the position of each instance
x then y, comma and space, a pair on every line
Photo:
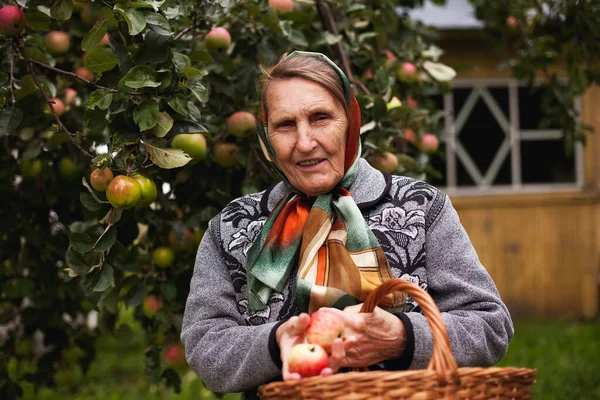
441, 380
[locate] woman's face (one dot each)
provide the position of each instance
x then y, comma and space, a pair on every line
307, 127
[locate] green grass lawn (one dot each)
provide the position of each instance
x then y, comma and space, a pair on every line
567, 356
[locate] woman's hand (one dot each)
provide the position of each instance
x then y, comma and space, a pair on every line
378, 336
293, 332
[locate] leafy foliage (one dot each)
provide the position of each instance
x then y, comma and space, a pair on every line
67, 253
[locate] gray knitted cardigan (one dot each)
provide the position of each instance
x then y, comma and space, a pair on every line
233, 349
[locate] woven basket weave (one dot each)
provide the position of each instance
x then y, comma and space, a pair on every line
441, 380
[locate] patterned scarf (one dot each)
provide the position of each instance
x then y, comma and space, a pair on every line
326, 240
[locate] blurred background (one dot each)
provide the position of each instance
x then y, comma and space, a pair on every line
494, 102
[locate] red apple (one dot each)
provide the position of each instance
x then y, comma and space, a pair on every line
241, 123
368, 75
104, 41
100, 178
325, 326
57, 42
151, 305
174, 355
391, 58
412, 103
84, 73
90, 13
307, 359
217, 39
12, 20
58, 105
70, 96
409, 136
512, 23
282, 5
226, 154
429, 143
386, 161
407, 72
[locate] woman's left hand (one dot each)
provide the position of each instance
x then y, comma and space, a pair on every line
378, 336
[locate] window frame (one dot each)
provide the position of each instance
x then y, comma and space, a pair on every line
511, 144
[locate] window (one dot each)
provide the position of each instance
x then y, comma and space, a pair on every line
494, 143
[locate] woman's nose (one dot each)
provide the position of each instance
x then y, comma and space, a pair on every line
305, 140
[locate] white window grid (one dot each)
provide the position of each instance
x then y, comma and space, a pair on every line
510, 146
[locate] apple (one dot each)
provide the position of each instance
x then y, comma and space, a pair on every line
12, 20
226, 154
151, 305
241, 123
104, 41
123, 192
390, 58
393, 103
84, 73
429, 143
57, 42
407, 72
180, 239
512, 23
368, 74
194, 144
100, 178
90, 13
174, 355
31, 169
307, 359
410, 136
217, 39
386, 161
163, 256
149, 191
412, 103
59, 107
325, 326
281, 5
67, 167
70, 96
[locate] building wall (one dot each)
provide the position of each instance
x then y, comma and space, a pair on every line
542, 250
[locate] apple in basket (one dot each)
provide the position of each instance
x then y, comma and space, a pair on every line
325, 326
307, 359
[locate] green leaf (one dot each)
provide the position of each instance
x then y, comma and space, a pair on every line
158, 21
101, 59
293, 35
89, 188
102, 279
10, 118
140, 76
181, 62
197, 88
38, 21
167, 158
178, 103
136, 294
81, 242
100, 98
201, 56
62, 10
154, 4
169, 290
136, 22
120, 257
145, 114
164, 125
107, 239
88, 201
3, 78
155, 49
77, 262
94, 36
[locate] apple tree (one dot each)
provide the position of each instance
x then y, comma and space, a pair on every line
125, 126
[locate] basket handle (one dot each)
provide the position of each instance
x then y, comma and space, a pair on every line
442, 361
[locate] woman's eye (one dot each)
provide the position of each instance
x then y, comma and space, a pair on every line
285, 124
322, 117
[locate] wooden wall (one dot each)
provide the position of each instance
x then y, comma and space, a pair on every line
542, 250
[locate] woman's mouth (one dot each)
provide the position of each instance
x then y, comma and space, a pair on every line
310, 163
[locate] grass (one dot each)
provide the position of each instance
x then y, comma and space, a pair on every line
567, 356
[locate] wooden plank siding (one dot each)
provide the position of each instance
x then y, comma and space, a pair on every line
542, 249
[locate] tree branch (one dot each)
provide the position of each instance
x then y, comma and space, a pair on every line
72, 136
71, 74
12, 71
183, 32
329, 24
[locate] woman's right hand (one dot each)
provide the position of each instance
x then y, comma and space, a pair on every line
293, 332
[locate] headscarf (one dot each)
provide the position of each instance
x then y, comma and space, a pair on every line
325, 240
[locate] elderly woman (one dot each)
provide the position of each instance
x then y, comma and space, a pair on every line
326, 236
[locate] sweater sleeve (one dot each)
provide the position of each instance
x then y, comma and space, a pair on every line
227, 354
479, 324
